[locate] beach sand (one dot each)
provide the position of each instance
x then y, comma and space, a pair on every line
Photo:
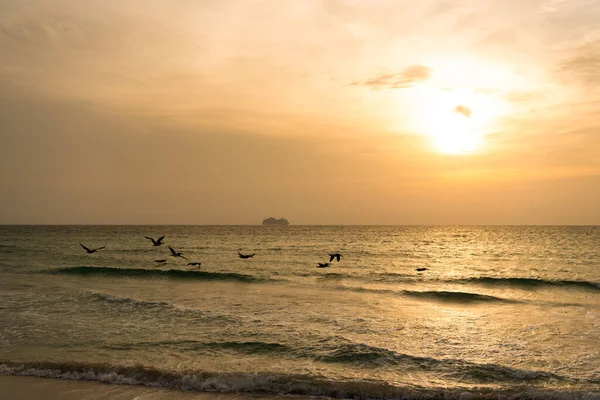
33, 388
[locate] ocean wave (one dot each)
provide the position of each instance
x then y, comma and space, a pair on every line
435, 295
531, 282
125, 300
456, 297
157, 273
272, 383
358, 353
159, 306
342, 351
527, 283
251, 347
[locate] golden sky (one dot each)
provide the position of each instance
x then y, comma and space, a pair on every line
323, 112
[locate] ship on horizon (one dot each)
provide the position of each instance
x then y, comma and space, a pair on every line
275, 221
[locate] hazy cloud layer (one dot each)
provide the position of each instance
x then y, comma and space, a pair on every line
227, 112
584, 68
407, 78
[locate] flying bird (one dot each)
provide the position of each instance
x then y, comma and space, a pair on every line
422, 269
335, 255
323, 265
176, 253
156, 242
160, 261
194, 263
90, 251
246, 255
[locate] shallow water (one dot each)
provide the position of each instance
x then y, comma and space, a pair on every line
499, 309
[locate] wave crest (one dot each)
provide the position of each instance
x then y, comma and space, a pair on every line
456, 297
194, 345
261, 382
434, 295
157, 273
532, 282
124, 300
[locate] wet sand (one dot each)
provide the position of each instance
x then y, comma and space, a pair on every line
33, 388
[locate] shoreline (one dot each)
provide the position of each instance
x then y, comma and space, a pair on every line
27, 387
14, 387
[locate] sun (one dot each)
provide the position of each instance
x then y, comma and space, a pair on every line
455, 121
453, 132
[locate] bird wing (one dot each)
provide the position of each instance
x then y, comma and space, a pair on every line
160, 239
173, 251
182, 257
331, 257
86, 249
99, 248
149, 238
338, 256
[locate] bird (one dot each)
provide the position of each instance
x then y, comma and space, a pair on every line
194, 263
176, 253
246, 255
335, 255
160, 261
323, 265
156, 242
90, 251
422, 269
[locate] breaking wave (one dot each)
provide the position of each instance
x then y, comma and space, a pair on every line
270, 383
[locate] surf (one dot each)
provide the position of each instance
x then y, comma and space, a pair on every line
269, 383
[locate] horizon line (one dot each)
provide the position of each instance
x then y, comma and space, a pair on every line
301, 225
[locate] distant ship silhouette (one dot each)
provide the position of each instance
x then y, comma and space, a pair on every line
274, 221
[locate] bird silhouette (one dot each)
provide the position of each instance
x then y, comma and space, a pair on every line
194, 263
90, 251
335, 255
323, 265
160, 261
422, 269
156, 242
246, 255
176, 253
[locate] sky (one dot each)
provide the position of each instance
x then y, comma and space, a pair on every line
322, 112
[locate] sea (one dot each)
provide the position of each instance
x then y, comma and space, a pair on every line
496, 311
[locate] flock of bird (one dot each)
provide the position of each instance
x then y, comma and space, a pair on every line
174, 253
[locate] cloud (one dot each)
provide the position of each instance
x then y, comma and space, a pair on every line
585, 68
407, 78
551, 6
464, 110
